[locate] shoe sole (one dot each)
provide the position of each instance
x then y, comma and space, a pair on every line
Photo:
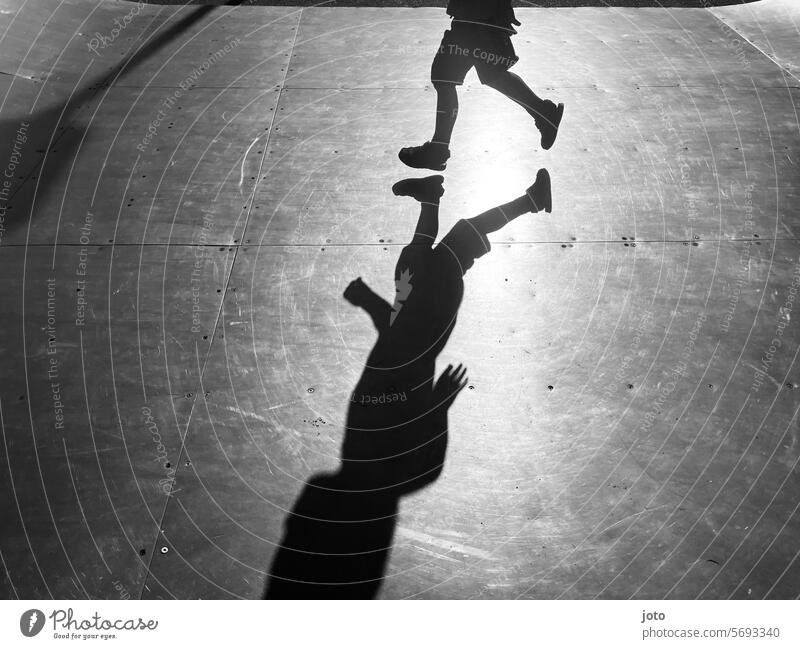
396, 188
548, 208
555, 124
441, 167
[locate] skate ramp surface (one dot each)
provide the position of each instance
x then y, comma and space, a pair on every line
191, 189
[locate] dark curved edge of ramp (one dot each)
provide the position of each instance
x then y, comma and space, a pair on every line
696, 4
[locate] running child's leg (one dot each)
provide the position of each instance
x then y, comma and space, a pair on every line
435, 153
545, 113
513, 87
448, 70
537, 198
446, 114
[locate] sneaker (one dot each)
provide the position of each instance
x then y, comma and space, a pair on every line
424, 190
540, 193
548, 121
428, 156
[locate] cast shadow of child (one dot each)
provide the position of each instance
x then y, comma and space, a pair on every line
338, 537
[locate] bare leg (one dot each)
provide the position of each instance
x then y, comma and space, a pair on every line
434, 154
446, 113
513, 87
545, 112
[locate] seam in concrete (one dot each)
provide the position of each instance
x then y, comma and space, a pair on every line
399, 244
199, 388
752, 44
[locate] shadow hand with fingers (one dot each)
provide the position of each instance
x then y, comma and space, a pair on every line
339, 534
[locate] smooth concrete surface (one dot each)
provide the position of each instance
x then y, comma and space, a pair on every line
177, 356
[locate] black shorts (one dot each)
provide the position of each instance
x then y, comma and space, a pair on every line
460, 247
453, 255
466, 45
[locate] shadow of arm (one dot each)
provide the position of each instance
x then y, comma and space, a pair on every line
361, 295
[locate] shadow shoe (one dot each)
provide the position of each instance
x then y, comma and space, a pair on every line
424, 190
428, 156
548, 122
540, 192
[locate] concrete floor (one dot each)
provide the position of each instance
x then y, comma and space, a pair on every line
177, 357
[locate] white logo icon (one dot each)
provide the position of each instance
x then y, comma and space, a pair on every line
31, 622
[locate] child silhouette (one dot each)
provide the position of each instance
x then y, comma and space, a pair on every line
413, 332
479, 37
338, 537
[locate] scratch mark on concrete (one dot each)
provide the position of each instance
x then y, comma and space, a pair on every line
627, 518
435, 554
755, 369
244, 160
444, 544
244, 413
